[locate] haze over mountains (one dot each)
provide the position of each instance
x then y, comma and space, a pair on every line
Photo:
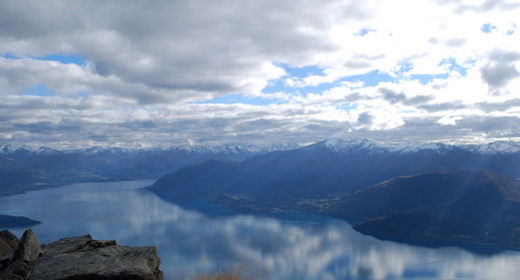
473, 206
24, 168
331, 167
434, 193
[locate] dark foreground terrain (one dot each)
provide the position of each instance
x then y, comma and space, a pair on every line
74, 258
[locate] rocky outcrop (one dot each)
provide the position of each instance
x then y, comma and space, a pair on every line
8, 243
24, 256
81, 258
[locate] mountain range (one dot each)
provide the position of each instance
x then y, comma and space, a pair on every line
438, 193
324, 169
24, 168
414, 193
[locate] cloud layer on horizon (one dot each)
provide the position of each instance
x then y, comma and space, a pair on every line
162, 73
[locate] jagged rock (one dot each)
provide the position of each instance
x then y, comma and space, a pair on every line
4, 262
27, 251
80, 258
84, 258
28, 248
8, 242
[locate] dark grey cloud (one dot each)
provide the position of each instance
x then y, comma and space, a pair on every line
438, 107
182, 47
365, 119
356, 96
500, 69
393, 97
498, 126
498, 74
418, 99
499, 106
498, 55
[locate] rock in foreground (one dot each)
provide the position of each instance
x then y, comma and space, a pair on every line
81, 258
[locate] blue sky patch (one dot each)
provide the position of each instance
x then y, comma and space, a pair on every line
60, 57
296, 73
302, 72
488, 28
453, 65
347, 106
426, 78
63, 58
364, 31
38, 90
404, 66
242, 99
9, 56
370, 79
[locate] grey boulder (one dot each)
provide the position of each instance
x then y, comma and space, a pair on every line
27, 252
80, 258
84, 258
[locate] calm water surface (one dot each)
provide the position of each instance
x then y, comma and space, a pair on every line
288, 247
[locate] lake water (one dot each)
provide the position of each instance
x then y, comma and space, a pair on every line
297, 246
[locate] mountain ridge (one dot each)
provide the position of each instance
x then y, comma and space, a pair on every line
481, 207
337, 144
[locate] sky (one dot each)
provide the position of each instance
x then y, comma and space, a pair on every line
165, 73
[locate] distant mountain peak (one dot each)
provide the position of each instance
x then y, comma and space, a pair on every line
332, 144
348, 145
342, 145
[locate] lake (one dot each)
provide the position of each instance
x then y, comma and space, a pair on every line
290, 246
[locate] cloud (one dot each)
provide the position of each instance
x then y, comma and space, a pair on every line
153, 71
176, 46
442, 107
500, 69
391, 96
499, 74
499, 106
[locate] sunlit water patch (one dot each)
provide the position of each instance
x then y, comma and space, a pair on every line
289, 247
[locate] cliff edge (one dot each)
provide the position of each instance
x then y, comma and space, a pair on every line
75, 258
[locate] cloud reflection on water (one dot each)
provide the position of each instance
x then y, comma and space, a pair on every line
190, 241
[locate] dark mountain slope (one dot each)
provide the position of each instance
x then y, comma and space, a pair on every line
7, 221
321, 170
479, 207
16, 175
23, 170
211, 179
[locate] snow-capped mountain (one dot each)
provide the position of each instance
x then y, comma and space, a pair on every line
336, 145
346, 146
495, 147
201, 149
